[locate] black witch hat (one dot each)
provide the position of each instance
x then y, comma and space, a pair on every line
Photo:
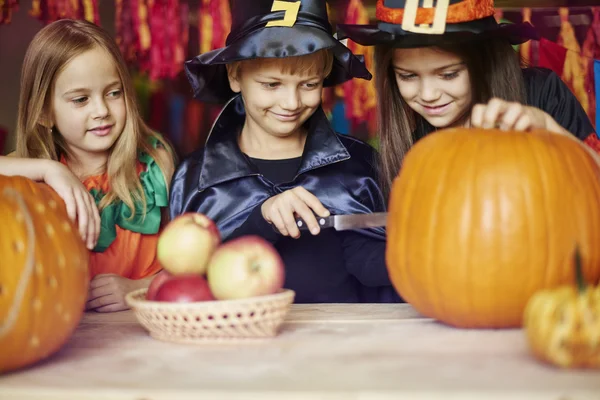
272, 29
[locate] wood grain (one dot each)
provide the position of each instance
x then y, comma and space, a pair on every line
323, 352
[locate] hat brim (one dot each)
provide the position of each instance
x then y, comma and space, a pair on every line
370, 35
208, 75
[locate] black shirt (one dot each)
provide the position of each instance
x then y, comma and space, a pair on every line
277, 171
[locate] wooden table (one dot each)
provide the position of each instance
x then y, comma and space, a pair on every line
371, 351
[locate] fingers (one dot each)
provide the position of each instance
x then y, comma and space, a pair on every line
101, 280
511, 115
524, 123
488, 116
94, 293
93, 230
277, 219
70, 203
282, 210
505, 115
82, 216
312, 201
120, 306
101, 302
302, 209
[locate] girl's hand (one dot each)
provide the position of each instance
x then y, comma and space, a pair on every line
79, 202
107, 292
280, 211
506, 115
516, 116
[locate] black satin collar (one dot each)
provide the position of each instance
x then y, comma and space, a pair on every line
224, 161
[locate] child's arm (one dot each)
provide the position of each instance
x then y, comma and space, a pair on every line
365, 258
78, 201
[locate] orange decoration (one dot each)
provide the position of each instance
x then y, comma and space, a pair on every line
44, 275
467, 10
482, 219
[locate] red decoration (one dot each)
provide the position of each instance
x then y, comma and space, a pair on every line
49, 11
153, 34
214, 24
7, 7
359, 94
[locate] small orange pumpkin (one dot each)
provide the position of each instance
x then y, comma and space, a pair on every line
563, 325
479, 220
44, 274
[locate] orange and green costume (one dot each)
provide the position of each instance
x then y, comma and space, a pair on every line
127, 246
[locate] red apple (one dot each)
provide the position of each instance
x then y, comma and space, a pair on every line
187, 243
245, 267
185, 288
156, 283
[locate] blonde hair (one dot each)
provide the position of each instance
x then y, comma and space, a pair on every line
48, 53
319, 62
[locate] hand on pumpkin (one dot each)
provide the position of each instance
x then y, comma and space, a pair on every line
107, 292
516, 116
505, 115
79, 202
280, 210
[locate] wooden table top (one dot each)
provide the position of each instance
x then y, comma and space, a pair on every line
324, 351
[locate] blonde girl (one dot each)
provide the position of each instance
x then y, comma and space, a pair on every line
79, 131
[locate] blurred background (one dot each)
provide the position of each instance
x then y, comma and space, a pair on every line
157, 36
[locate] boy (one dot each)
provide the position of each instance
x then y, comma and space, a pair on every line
272, 155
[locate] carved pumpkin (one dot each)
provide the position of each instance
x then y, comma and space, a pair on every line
563, 325
43, 275
479, 220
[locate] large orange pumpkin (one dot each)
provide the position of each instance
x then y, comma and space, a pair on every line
481, 219
43, 273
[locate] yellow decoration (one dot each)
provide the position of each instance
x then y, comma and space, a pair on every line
563, 325
290, 16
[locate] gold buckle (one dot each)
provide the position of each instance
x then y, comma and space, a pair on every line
291, 13
439, 17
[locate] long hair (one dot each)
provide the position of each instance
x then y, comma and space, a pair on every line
49, 52
494, 70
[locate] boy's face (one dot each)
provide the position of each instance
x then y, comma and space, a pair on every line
276, 103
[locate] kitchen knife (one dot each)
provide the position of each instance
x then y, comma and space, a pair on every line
347, 221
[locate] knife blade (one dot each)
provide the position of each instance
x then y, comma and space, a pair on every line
347, 221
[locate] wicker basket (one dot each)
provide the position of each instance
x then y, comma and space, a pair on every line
212, 321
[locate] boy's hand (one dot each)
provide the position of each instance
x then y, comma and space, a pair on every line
280, 211
107, 292
79, 202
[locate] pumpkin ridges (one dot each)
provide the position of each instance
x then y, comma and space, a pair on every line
399, 250
40, 323
463, 265
547, 226
433, 291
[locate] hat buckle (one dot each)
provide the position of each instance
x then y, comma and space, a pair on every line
438, 26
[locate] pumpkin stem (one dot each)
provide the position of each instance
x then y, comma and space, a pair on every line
578, 273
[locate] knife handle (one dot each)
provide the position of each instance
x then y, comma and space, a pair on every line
324, 222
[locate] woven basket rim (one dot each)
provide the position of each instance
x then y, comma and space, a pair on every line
134, 302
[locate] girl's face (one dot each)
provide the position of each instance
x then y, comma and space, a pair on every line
277, 103
435, 84
88, 106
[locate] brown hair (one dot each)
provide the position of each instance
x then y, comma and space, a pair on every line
494, 69
319, 62
48, 53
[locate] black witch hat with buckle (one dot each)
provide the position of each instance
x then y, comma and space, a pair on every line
272, 29
418, 23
